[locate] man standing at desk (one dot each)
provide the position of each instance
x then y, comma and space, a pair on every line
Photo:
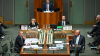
19, 42
63, 22
47, 6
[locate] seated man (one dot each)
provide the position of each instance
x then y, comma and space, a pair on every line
63, 22
47, 6
77, 41
19, 42
33, 23
96, 26
1, 32
5, 27
96, 42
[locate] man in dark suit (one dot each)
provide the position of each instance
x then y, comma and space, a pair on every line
47, 6
63, 22
19, 42
96, 42
77, 41
1, 32
33, 23
96, 26
5, 27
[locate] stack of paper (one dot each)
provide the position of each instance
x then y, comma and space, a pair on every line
52, 47
26, 46
68, 27
24, 27
58, 41
59, 46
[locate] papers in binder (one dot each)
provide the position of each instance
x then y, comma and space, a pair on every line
24, 27
31, 40
68, 27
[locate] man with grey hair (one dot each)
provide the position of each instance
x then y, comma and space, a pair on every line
96, 26
19, 42
33, 23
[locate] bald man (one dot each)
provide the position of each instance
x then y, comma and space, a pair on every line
77, 41
47, 6
19, 42
63, 22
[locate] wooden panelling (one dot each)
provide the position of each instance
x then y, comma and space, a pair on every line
38, 4
8, 22
26, 3
58, 3
70, 3
1, 19
89, 22
47, 18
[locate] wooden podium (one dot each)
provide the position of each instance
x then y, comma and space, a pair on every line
48, 18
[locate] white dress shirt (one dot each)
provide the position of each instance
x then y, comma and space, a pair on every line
63, 22
47, 7
33, 24
77, 39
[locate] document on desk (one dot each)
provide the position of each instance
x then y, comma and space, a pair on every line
65, 43
52, 47
68, 27
26, 46
59, 46
24, 27
31, 40
58, 41
34, 46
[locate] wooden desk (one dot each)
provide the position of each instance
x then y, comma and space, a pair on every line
1, 19
68, 38
47, 18
45, 52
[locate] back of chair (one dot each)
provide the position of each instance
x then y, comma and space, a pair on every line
11, 44
5, 47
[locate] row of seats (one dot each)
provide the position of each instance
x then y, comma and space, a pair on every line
5, 49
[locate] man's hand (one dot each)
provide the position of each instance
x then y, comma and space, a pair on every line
94, 25
28, 43
0, 23
73, 45
79, 46
24, 37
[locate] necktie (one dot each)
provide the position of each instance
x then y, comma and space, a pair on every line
77, 40
47, 8
63, 23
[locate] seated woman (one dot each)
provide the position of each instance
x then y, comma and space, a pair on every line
33, 23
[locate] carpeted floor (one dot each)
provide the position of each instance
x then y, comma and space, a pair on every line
12, 33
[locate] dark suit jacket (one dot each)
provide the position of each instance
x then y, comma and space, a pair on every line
81, 40
19, 42
50, 6
60, 23
36, 24
1, 30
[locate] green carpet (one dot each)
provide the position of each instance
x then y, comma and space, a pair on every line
12, 33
